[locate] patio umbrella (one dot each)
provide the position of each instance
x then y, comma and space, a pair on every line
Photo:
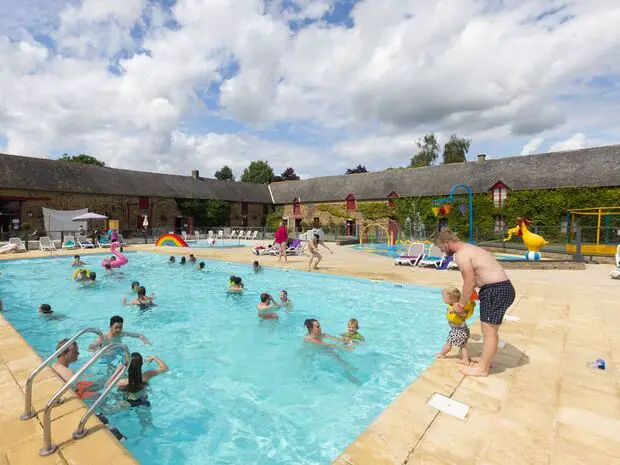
145, 223
88, 217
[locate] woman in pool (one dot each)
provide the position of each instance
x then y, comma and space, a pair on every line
315, 336
268, 308
142, 300
137, 380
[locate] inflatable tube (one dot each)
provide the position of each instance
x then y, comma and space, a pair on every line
120, 258
76, 273
8, 248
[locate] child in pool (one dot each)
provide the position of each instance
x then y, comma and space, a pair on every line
183, 261
172, 260
256, 266
352, 334
285, 302
201, 266
235, 284
459, 332
77, 261
192, 259
134, 287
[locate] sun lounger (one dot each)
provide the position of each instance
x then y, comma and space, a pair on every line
233, 234
220, 234
432, 257
413, 255
84, 242
45, 243
254, 236
69, 243
103, 242
18, 242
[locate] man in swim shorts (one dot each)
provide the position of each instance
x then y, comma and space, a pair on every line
479, 268
116, 334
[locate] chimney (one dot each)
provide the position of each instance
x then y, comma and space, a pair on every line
482, 157
196, 174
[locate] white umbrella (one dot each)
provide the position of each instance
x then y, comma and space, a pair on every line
89, 216
145, 223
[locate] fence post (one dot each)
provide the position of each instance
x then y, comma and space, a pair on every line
578, 256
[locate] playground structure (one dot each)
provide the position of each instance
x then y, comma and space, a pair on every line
532, 241
605, 244
444, 206
171, 240
390, 235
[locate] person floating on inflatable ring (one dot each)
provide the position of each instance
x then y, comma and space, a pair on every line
459, 332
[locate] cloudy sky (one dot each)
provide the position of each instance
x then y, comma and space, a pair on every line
319, 85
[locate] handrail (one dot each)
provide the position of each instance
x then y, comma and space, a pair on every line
49, 448
28, 412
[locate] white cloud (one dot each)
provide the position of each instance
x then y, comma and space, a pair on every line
360, 94
532, 146
577, 141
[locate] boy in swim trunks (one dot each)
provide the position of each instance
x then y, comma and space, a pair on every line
352, 334
115, 334
77, 261
480, 269
459, 333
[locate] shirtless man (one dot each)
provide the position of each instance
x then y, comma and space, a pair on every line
313, 246
480, 269
65, 358
115, 334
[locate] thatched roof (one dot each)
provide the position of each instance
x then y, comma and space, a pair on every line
576, 168
41, 174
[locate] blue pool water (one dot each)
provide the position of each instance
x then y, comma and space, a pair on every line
239, 390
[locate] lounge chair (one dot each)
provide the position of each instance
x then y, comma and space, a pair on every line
103, 242
413, 255
84, 242
184, 235
433, 257
233, 234
18, 242
242, 234
254, 236
211, 235
220, 234
69, 243
45, 243
296, 248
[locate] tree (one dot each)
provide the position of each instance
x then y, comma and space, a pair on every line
287, 175
455, 150
429, 151
225, 174
358, 169
206, 213
81, 158
259, 172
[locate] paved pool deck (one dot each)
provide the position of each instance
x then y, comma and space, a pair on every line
541, 404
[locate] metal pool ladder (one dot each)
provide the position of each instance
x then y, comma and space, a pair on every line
49, 448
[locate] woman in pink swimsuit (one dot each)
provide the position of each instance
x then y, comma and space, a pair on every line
281, 236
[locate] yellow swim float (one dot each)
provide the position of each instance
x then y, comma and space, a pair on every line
457, 319
76, 273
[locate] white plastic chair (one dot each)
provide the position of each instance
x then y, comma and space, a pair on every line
18, 242
45, 243
69, 243
84, 242
233, 234
432, 257
254, 236
220, 234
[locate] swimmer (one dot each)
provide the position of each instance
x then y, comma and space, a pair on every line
172, 260
115, 334
315, 336
201, 266
256, 266
142, 300
235, 284
77, 261
92, 277
192, 259
267, 307
352, 334
107, 267
136, 379
82, 275
66, 357
134, 287
313, 246
285, 302
46, 309
183, 261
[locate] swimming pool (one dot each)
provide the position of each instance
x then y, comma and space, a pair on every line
395, 251
239, 390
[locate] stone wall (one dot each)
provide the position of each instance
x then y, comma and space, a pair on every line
255, 217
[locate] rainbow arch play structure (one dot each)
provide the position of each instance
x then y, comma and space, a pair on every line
171, 240
387, 233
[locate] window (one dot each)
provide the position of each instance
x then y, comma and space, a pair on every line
393, 195
351, 204
499, 193
143, 203
316, 223
296, 207
500, 226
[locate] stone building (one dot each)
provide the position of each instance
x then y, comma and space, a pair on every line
27, 184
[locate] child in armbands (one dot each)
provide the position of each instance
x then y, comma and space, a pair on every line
352, 334
459, 332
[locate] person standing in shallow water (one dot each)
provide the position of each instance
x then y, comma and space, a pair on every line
479, 268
